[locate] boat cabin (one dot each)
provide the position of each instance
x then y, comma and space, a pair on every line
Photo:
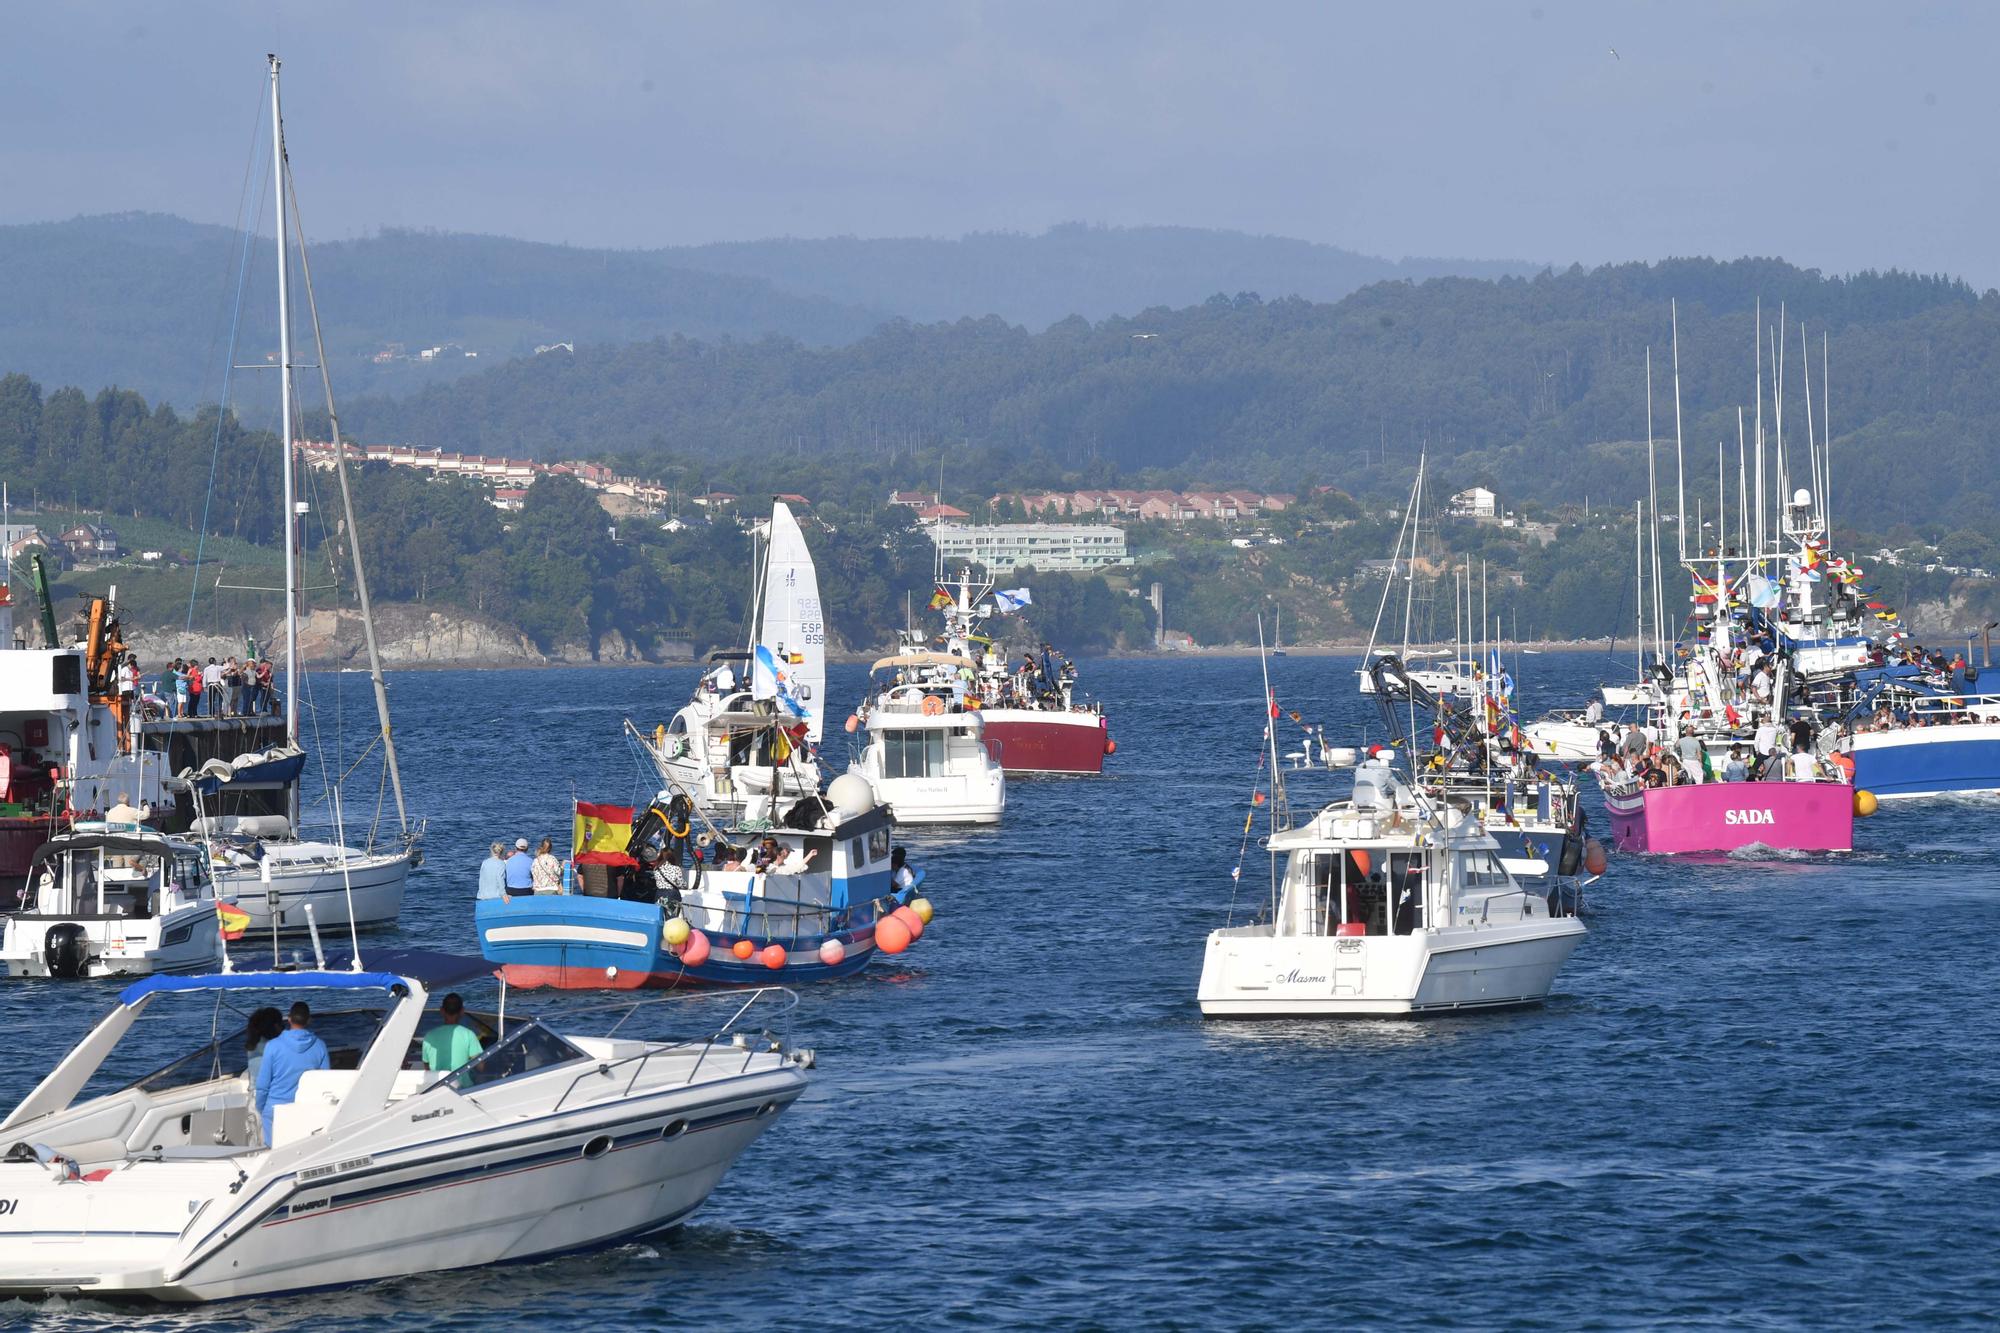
103, 871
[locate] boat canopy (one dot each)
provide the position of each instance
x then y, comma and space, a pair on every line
138, 990
924, 659
119, 844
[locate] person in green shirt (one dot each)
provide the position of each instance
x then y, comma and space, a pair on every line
452, 1043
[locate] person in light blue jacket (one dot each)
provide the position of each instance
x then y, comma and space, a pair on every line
286, 1057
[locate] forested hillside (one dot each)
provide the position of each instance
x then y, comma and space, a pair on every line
1537, 385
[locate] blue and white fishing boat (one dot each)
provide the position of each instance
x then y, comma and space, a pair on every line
653, 903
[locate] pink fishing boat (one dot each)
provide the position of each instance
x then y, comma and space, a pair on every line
1722, 816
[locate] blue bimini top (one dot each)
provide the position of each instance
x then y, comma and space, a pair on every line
138, 990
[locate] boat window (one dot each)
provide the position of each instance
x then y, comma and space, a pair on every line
527, 1048
678, 726
1483, 870
912, 754
857, 854
878, 844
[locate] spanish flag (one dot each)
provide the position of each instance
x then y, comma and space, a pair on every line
941, 599
233, 920
601, 833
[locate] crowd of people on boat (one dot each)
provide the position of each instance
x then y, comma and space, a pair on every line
191, 687
1769, 754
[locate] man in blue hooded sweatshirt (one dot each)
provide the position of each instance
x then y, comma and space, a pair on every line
287, 1056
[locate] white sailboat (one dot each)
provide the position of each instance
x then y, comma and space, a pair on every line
743, 747
285, 882
1457, 677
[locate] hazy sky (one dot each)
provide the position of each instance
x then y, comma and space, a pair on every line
1839, 135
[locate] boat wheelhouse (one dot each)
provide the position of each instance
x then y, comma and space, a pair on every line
926, 756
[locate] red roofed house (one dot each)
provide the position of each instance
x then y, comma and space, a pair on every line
940, 513
914, 499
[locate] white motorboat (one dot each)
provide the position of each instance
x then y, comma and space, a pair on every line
114, 900
926, 756
1379, 913
543, 1143
738, 742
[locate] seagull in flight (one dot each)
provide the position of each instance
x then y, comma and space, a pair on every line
1614, 53
1145, 335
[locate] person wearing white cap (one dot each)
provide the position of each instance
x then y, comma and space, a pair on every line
520, 870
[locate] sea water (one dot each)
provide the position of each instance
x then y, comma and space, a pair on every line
1761, 1093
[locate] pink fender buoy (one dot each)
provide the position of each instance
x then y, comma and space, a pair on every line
853, 724
911, 922
773, 956
891, 935
832, 952
695, 952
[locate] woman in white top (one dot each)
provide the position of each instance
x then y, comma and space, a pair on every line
545, 871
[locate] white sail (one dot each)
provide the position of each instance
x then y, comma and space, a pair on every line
791, 635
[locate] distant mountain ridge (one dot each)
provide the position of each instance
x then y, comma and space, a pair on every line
146, 300
1073, 269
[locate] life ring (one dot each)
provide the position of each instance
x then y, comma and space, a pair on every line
933, 706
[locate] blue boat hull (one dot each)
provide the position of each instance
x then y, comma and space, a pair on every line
1928, 761
573, 942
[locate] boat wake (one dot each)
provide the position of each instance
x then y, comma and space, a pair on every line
1763, 851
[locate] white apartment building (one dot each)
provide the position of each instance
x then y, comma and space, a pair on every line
1005, 547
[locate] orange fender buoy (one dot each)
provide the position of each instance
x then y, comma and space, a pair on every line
911, 922
773, 956
1594, 859
933, 706
743, 949
1110, 746
891, 935
853, 724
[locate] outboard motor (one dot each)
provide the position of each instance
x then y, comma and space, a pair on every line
66, 950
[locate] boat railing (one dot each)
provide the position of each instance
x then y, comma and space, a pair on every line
730, 1034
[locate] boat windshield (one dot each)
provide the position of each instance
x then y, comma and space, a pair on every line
527, 1049
347, 1034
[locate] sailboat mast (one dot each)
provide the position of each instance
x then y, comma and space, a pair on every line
285, 429
1680, 456
353, 530
1416, 538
